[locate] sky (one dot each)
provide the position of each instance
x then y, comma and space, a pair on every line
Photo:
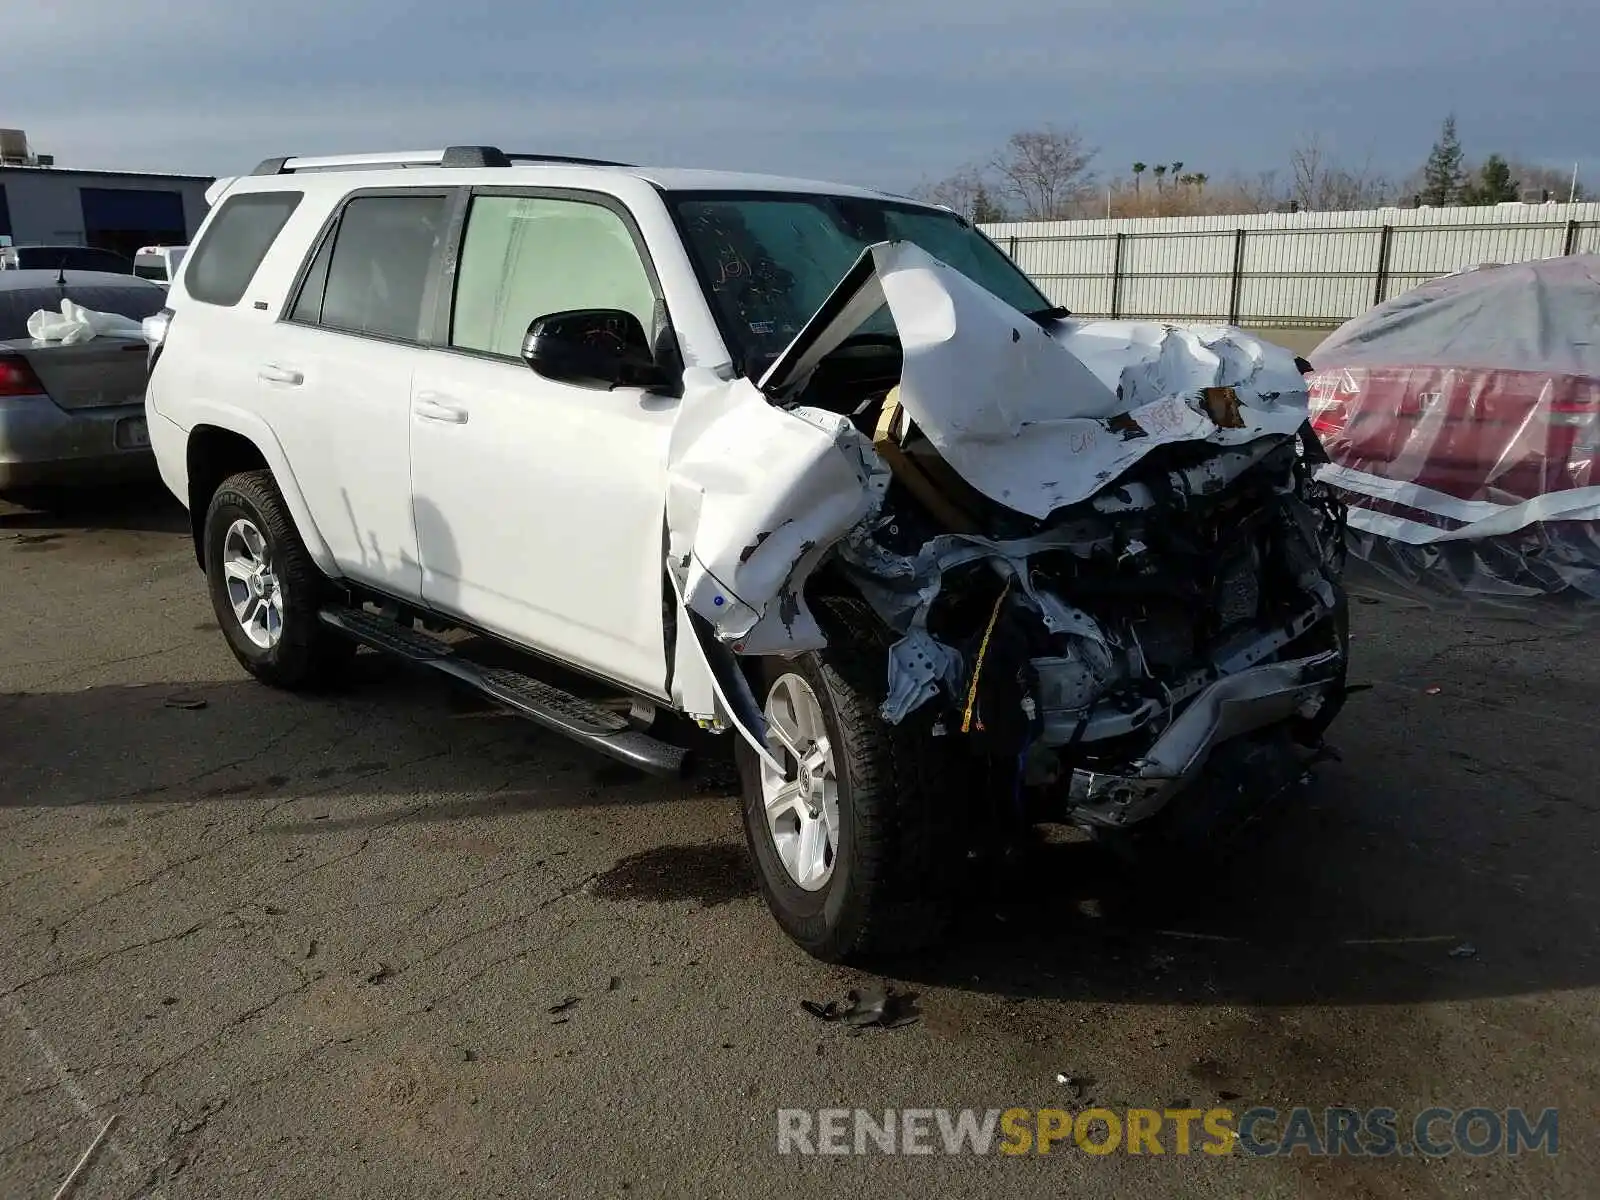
886, 93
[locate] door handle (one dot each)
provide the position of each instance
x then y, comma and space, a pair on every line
430, 407
272, 373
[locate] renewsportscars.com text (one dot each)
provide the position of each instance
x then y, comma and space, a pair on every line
1258, 1132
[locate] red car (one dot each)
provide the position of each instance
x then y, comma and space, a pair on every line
1463, 421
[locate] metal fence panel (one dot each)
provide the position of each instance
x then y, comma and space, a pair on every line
1280, 269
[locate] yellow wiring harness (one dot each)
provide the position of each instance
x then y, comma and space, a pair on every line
977, 667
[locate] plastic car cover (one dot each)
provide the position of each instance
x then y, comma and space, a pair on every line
1463, 423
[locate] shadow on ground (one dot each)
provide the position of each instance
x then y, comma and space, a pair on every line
144, 507
1389, 880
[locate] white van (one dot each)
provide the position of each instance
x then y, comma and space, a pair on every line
158, 263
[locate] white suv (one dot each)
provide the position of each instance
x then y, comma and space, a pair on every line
811, 464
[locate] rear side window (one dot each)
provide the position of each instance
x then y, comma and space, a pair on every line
371, 274
239, 237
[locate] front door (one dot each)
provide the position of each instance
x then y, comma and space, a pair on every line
539, 504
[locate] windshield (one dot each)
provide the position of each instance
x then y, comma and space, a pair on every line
769, 259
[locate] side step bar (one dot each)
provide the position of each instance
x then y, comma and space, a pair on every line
596, 727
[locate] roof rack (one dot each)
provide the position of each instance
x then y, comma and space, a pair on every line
450, 156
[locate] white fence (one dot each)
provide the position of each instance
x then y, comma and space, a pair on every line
1284, 270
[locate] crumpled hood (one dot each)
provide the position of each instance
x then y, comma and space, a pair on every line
1040, 418
1035, 418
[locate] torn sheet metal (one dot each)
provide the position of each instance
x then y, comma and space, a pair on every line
1252, 699
902, 590
1034, 417
756, 496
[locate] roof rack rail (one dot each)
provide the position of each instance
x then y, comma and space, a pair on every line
450, 156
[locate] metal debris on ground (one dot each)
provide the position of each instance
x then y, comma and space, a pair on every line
1076, 1084
864, 1007
1432, 690
190, 703
1465, 950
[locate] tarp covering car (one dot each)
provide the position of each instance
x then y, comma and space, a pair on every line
1463, 421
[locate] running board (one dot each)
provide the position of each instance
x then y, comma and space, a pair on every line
560, 711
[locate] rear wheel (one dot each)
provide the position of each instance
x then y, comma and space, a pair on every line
265, 589
850, 835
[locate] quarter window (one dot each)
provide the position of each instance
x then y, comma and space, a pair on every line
234, 244
526, 257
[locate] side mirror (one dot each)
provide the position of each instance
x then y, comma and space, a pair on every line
592, 347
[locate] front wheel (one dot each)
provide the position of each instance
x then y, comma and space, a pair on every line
850, 837
265, 589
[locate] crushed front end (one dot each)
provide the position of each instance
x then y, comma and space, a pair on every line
1095, 553
1109, 651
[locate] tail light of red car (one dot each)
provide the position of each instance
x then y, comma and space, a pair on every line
1329, 414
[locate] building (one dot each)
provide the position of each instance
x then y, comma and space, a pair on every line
43, 204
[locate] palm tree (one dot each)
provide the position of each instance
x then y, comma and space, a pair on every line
1177, 170
1139, 169
1200, 180
1160, 172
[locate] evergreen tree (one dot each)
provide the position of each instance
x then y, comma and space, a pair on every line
1443, 175
1494, 183
984, 207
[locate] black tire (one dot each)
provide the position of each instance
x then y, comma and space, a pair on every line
891, 885
307, 653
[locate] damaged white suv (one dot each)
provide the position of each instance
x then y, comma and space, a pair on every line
808, 464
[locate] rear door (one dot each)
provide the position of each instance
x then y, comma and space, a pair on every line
335, 377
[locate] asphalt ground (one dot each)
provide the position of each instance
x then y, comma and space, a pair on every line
391, 943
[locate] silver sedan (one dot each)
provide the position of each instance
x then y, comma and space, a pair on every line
72, 414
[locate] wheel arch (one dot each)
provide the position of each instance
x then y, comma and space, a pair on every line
216, 450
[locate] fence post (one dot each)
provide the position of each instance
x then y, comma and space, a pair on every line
1116, 276
1572, 236
1011, 247
1238, 277
1385, 242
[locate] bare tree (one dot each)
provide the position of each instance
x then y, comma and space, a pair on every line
1319, 184
967, 192
1044, 172
1555, 180
1306, 171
